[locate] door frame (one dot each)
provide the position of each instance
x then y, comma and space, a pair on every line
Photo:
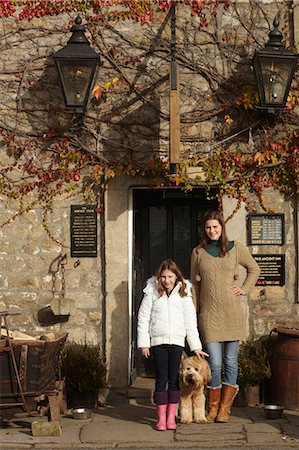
132, 373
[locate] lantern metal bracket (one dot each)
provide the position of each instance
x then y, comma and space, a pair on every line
77, 123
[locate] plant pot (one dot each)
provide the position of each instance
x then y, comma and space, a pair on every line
248, 396
84, 399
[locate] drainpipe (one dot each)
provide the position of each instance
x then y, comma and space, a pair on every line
294, 43
295, 12
174, 99
291, 7
296, 239
103, 275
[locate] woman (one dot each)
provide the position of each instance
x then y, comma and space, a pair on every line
166, 317
214, 265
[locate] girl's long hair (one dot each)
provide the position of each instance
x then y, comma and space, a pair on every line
223, 241
168, 264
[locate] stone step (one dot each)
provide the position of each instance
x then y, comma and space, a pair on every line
141, 388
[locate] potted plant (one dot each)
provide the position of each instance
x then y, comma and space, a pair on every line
254, 368
84, 372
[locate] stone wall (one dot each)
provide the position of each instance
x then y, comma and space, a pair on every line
268, 306
26, 254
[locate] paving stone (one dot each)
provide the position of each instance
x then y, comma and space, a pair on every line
291, 430
130, 425
262, 428
125, 424
264, 438
213, 438
209, 428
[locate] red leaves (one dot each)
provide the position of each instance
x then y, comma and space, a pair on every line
6, 8
111, 10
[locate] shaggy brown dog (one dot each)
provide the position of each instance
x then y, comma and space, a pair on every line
195, 374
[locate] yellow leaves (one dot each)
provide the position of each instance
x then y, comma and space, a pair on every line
117, 80
98, 91
228, 119
107, 85
114, 82
260, 158
109, 173
102, 171
248, 98
269, 156
292, 100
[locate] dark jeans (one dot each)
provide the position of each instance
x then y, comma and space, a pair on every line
167, 361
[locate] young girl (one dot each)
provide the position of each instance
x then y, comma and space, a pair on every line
166, 317
214, 265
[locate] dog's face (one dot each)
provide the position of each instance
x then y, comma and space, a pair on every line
195, 372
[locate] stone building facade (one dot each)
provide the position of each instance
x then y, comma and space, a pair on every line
102, 293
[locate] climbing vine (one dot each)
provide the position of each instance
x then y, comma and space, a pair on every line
248, 153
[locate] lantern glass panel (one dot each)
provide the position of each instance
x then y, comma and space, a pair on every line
76, 78
275, 75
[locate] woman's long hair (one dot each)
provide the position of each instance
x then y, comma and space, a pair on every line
168, 264
223, 240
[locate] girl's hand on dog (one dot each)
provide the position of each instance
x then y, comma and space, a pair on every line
145, 351
201, 354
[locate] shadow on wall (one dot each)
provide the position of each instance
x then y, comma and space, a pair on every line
42, 102
130, 136
119, 334
135, 137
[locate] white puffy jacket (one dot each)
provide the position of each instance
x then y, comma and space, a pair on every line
167, 320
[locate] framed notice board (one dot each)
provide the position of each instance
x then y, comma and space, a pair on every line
272, 270
84, 234
266, 229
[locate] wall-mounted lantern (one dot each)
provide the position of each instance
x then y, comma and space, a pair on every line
274, 67
76, 65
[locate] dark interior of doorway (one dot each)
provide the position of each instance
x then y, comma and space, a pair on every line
167, 224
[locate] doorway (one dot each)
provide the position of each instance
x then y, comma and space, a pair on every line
167, 224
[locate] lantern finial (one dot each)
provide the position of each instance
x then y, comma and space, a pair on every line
275, 35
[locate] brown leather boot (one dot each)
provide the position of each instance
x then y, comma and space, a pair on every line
227, 397
214, 395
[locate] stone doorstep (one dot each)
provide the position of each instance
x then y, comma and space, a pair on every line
141, 388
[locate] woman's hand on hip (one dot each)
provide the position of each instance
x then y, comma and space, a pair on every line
201, 353
237, 290
145, 351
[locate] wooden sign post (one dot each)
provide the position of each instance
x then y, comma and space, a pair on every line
174, 100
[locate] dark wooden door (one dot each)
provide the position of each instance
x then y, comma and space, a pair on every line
167, 224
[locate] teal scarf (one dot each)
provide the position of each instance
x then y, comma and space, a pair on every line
213, 248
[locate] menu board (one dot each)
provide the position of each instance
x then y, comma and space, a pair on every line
266, 229
272, 270
83, 231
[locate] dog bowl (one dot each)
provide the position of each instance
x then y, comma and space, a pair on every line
82, 413
273, 411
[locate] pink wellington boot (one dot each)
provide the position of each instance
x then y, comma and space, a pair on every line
161, 414
171, 413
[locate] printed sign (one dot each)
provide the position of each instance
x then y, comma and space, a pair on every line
266, 229
83, 231
272, 270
